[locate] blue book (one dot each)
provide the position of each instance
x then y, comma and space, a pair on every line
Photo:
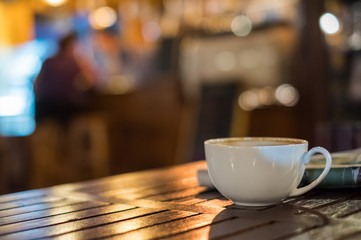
344, 173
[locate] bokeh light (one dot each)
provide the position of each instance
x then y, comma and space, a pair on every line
55, 3
151, 31
267, 96
102, 17
249, 100
329, 23
254, 98
354, 41
287, 95
241, 26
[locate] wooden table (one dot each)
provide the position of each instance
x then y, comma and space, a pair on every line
168, 203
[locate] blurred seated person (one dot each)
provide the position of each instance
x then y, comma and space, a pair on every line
61, 86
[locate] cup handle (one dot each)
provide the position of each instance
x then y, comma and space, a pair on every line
306, 159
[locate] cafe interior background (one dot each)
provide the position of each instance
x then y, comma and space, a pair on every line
169, 74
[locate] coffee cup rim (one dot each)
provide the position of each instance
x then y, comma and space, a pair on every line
293, 141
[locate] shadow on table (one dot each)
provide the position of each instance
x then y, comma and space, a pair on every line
282, 220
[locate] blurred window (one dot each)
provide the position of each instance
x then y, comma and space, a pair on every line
19, 65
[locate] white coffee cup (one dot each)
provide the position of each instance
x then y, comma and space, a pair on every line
260, 171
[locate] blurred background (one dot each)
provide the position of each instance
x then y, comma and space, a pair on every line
162, 76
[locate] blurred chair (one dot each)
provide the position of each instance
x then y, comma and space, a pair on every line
14, 164
215, 114
88, 139
49, 162
77, 152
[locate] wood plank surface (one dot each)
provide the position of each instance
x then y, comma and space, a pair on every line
77, 206
168, 203
70, 216
34, 207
